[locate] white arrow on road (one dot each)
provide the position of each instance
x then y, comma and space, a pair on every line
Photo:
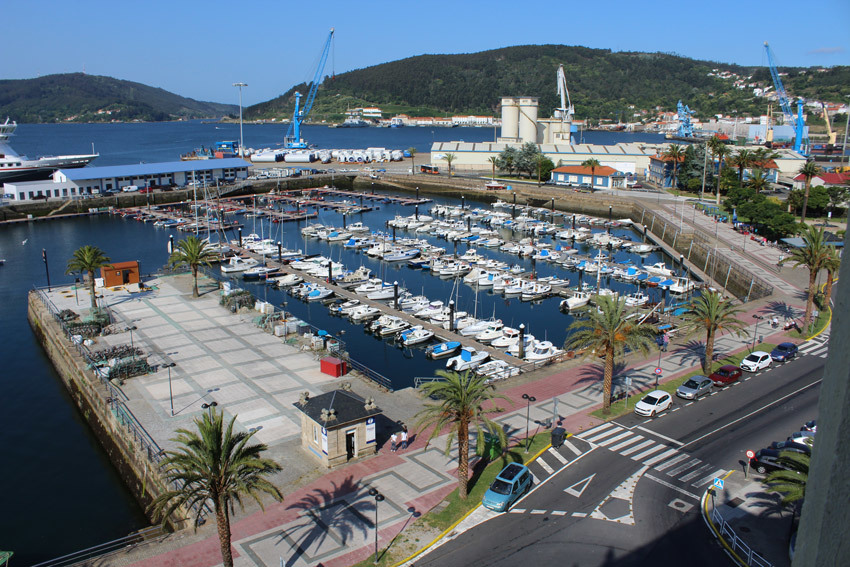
578, 488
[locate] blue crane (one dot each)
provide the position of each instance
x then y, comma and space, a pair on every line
785, 103
292, 140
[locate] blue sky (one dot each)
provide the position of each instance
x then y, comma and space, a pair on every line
198, 49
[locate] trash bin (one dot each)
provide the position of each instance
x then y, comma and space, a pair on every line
558, 436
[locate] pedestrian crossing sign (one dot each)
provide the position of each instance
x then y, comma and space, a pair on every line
718, 482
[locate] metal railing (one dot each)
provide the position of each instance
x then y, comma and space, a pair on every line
736, 543
106, 549
372, 375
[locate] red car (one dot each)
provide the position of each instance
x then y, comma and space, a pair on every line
146, 190
725, 375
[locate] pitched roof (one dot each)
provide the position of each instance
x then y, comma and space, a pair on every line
349, 408
831, 177
602, 170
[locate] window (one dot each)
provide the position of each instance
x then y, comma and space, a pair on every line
315, 434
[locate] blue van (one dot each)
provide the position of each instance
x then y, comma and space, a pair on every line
510, 484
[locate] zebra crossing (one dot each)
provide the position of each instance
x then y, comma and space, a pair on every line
554, 459
816, 347
661, 457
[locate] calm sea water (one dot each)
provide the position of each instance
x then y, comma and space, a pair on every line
60, 492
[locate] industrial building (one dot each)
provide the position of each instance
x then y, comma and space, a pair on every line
88, 181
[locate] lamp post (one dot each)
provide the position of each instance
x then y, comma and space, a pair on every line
131, 329
373, 492
528, 399
76, 285
241, 147
170, 393
210, 407
758, 319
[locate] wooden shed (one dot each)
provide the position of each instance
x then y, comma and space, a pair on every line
338, 427
120, 273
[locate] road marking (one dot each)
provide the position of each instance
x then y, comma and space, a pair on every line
695, 473
518, 511
579, 515
661, 457
597, 429
544, 464
708, 478
615, 438
671, 462
626, 443
534, 479
572, 447
677, 408
687, 404
670, 439
648, 452
563, 460
668, 485
559, 513
774, 402
604, 434
578, 488
637, 447
714, 393
537, 512
681, 468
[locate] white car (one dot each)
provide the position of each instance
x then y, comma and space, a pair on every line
654, 403
756, 361
802, 437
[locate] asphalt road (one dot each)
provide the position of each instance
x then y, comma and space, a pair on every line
627, 493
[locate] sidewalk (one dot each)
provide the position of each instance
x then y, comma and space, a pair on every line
751, 524
331, 520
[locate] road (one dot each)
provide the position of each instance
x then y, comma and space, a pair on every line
627, 492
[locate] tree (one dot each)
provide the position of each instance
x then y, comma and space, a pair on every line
818, 200
808, 170
721, 152
741, 160
449, 159
214, 464
609, 333
837, 196
675, 154
831, 264
527, 159
758, 180
494, 161
460, 401
508, 159
192, 252
412, 151
88, 259
592, 163
544, 168
710, 313
791, 484
811, 255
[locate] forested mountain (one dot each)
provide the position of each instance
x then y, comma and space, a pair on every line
602, 84
77, 97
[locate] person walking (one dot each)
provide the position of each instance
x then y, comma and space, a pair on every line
404, 438
393, 441
665, 341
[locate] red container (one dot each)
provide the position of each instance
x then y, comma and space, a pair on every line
333, 366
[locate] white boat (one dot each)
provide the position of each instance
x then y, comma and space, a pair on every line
413, 303
287, 280
357, 227
542, 350
480, 327
312, 229
490, 333
397, 325
372, 284
468, 359
536, 290
258, 272
319, 293
401, 255
442, 350
497, 370
578, 300
433, 308
344, 308
527, 341
387, 292
16, 167
682, 285
415, 335
336, 236
636, 299
658, 269
238, 264
363, 313
510, 336
641, 248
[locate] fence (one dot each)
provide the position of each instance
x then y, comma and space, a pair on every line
736, 543
103, 550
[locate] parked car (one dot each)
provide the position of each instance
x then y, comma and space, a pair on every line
694, 388
784, 352
510, 484
766, 460
637, 186
802, 437
789, 446
654, 403
756, 361
726, 375
810, 426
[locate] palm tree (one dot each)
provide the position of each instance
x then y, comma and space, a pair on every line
449, 159
592, 163
494, 160
722, 152
676, 154
812, 255
214, 464
758, 180
88, 259
412, 151
809, 170
831, 264
710, 313
192, 252
742, 160
790, 483
609, 333
460, 400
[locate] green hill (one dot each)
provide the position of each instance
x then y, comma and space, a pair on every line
77, 97
602, 84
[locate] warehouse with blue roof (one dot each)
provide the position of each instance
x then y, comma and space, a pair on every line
89, 181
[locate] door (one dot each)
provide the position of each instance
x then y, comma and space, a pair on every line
125, 276
350, 449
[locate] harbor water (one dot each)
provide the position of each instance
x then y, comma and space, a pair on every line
61, 493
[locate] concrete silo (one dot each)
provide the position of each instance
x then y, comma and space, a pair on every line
510, 118
527, 119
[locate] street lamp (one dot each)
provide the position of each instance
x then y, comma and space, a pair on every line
131, 329
170, 392
373, 492
758, 319
529, 399
241, 147
209, 406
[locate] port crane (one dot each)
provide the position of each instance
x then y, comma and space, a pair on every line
784, 103
292, 140
566, 110
683, 114
831, 134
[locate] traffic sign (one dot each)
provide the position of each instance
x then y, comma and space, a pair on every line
750, 454
658, 371
628, 381
718, 482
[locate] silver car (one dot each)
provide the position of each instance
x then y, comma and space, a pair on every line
694, 388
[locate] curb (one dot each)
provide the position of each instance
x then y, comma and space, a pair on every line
708, 522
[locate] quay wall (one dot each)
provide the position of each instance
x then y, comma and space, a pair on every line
135, 460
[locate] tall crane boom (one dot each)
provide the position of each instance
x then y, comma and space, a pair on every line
292, 139
780, 88
566, 110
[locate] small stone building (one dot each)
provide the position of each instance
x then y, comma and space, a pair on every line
120, 273
338, 427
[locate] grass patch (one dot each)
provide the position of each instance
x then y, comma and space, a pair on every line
819, 325
456, 507
619, 408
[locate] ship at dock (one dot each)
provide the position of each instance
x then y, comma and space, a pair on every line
16, 167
